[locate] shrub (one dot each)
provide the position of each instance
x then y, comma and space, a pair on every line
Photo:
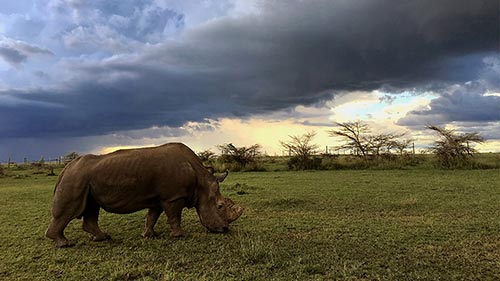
384, 162
301, 163
453, 149
239, 158
302, 149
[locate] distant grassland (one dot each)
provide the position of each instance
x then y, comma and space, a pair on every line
421, 224
350, 162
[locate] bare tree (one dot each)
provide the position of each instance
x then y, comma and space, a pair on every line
453, 149
358, 137
354, 132
302, 149
376, 143
399, 145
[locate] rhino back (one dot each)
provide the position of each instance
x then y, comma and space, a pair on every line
129, 180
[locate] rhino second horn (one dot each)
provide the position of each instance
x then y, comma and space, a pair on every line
222, 177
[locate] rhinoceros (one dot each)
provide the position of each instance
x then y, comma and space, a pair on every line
166, 179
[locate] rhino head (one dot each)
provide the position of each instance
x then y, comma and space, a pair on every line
214, 210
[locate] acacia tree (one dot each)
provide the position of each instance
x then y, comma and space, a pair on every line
206, 156
363, 143
69, 157
355, 133
377, 143
399, 145
302, 149
453, 149
239, 156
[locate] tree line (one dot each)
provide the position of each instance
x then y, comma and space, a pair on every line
451, 150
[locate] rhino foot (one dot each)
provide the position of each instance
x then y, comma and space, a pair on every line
64, 243
178, 234
102, 237
149, 234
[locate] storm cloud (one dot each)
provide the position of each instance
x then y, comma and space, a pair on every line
467, 103
289, 53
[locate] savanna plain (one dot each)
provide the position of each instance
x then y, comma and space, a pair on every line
416, 224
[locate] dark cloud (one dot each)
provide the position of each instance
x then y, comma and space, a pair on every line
467, 103
291, 53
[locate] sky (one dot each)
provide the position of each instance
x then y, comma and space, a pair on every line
92, 76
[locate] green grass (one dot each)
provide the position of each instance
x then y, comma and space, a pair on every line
318, 225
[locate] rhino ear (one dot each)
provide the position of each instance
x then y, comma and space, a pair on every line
210, 169
222, 177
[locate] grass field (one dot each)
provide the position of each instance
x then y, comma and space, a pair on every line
321, 225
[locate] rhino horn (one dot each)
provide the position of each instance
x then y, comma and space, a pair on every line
222, 177
233, 211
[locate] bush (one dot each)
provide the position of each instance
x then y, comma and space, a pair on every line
239, 158
256, 166
385, 162
301, 163
302, 149
453, 150
350, 162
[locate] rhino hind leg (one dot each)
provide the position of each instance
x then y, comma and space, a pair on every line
56, 232
151, 219
174, 213
90, 219
64, 209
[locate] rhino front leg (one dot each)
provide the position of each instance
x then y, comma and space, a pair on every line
90, 221
151, 219
174, 213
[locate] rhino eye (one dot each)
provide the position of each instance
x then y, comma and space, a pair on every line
220, 206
